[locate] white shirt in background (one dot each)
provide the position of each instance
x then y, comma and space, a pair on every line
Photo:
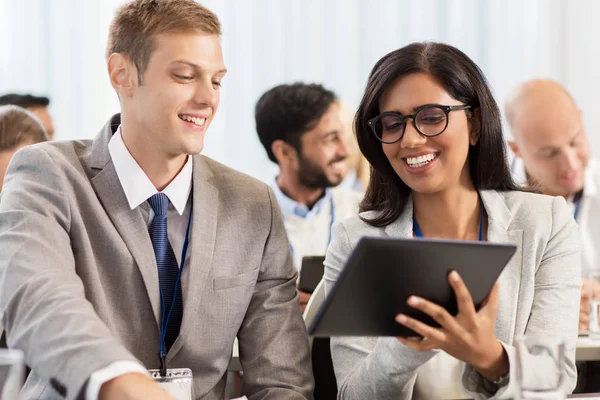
308, 231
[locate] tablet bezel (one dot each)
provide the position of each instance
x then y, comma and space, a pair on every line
357, 318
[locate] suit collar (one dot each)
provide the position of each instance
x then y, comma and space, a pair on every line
497, 211
403, 226
499, 216
100, 154
137, 186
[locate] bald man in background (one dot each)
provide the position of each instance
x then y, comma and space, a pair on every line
553, 155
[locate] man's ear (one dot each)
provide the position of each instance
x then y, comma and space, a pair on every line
514, 148
475, 127
122, 74
284, 152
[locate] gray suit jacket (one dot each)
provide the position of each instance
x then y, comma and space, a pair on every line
79, 281
539, 297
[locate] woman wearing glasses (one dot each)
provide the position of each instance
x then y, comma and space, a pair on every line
430, 128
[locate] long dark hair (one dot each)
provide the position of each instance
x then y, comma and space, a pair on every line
465, 82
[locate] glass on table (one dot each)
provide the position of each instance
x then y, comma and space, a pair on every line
12, 374
540, 380
593, 298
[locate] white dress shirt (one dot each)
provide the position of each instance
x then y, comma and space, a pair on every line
308, 230
138, 188
588, 219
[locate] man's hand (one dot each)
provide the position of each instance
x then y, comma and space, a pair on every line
304, 297
133, 386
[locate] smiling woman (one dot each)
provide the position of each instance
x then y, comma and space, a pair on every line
430, 128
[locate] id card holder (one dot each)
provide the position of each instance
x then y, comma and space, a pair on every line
177, 382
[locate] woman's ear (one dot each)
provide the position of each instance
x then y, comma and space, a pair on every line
475, 126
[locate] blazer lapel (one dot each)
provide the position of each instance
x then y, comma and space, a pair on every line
202, 243
129, 223
499, 231
403, 226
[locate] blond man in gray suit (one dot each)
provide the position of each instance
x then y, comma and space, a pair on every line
96, 282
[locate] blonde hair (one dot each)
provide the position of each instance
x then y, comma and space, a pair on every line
357, 162
135, 25
19, 126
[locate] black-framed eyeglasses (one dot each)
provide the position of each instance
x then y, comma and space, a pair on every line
429, 120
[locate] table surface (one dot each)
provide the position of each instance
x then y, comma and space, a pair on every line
587, 350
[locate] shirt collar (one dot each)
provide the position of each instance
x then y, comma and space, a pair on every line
137, 186
290, 206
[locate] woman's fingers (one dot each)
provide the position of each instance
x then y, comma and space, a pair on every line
419, 344
463, 296
438, 313
422, 329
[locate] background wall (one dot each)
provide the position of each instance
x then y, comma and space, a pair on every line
56, 48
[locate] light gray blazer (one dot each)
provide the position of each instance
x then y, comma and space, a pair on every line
539, 296
79, 281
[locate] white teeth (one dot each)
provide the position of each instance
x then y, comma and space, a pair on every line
195, 120
420, 161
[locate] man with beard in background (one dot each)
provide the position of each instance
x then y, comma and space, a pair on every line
301, 129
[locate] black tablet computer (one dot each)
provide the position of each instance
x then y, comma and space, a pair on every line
382, 273
311, 273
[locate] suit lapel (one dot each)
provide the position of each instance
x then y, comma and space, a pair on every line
202, 243
403, 226
499, 231
129, 223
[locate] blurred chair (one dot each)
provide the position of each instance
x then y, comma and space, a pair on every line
313, 305
325, 382
359, 169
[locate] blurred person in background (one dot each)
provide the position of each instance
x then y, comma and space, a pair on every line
36, 104
18, 128
300, 126
552, 155
358, 167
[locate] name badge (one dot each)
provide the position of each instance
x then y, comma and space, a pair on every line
177, 382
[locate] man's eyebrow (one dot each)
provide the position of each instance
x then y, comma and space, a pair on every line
196, 66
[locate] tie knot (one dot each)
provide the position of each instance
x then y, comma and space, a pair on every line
159, 203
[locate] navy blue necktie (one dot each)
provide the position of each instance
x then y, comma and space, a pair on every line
167, 267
